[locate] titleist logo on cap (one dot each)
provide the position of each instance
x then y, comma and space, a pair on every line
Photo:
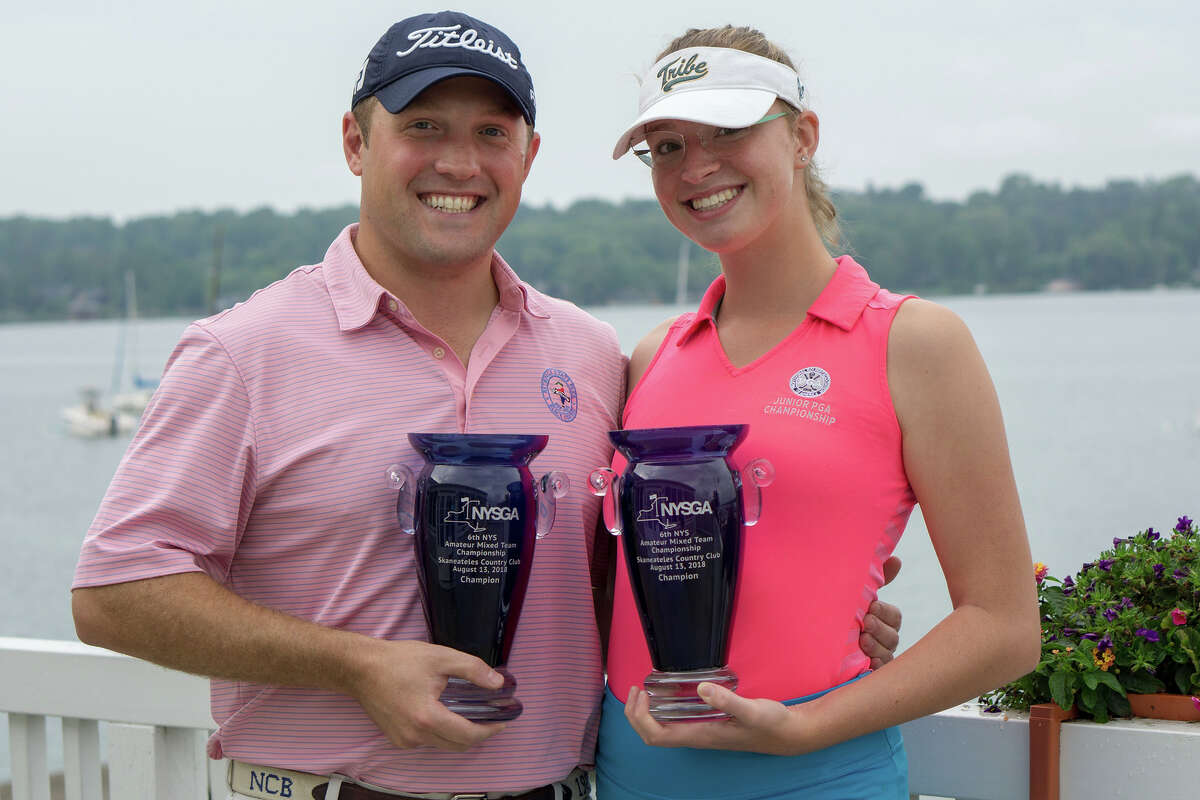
450, 36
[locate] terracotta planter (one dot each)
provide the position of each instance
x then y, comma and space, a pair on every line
1045, 723
1165, 706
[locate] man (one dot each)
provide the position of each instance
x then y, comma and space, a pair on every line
249, 534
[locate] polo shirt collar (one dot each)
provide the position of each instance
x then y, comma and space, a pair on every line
840, 303
357, 298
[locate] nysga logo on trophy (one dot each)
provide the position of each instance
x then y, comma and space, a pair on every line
476, 512
681, 504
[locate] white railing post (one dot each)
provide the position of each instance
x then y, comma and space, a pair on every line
218, 778
27, 742
164, 763
81, 759
180, 764
131, 760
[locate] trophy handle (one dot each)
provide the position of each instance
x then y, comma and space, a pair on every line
400, 478
758, 473
552, 486
602, 480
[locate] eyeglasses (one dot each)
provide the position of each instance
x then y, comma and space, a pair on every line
666, 149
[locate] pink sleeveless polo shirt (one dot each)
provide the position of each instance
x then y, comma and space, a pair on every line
819, 408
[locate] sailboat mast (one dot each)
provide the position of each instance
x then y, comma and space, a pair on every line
118, 373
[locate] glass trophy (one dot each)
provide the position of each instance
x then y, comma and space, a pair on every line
682, 505
475, 512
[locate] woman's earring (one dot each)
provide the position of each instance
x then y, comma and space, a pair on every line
803, 158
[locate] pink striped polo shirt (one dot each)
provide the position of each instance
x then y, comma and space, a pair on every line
819, 408
261, 462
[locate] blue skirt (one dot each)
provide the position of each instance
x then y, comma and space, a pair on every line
871, 767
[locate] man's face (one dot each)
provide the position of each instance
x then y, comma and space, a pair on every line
441, 179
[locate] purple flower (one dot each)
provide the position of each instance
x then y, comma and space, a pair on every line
1104, 644
1147, 634
1105, 564
1183, 524
1126, 603
1069, 631
1158, 570
1092, 636
1117, 541
1091, 611
1087, 566
1110, 614
1152, 534
1179, 575
1068, 586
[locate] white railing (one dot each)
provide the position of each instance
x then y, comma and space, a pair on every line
156, 722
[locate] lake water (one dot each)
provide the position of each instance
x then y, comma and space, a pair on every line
1100, 393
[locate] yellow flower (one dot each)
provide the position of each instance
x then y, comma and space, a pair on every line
1103, 661
1039, 571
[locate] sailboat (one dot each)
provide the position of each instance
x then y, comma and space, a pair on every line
91, 418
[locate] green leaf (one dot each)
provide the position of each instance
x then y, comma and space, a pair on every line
1091, 679
1111, 681
1142, 683
1190, 641
1094, 703
1181, 677
1054, 598
1058, 690
1118, 705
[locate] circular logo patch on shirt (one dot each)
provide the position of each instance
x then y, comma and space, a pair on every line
810, 382
558, 390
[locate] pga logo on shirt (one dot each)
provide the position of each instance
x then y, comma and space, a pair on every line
810, 382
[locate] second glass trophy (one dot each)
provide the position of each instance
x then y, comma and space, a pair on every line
681, 505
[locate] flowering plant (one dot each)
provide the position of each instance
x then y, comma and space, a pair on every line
1127, 622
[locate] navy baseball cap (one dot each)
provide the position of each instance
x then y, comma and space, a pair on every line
417, 52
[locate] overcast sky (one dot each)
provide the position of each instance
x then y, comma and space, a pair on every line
133, 108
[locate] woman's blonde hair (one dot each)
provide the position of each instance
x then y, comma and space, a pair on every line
750, 40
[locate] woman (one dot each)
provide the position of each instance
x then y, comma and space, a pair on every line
866, 401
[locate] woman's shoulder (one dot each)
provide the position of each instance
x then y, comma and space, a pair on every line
933, 361
924, 331
643, 354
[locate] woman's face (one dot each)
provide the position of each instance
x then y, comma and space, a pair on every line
727, 200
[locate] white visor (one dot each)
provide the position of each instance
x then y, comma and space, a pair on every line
713, 86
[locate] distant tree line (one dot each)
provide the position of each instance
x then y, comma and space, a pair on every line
1023, 237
